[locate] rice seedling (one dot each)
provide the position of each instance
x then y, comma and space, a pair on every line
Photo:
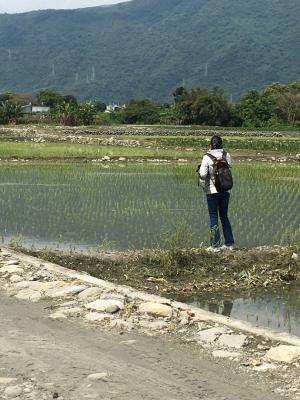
130, 207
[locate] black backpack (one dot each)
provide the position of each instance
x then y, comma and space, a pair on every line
222, 177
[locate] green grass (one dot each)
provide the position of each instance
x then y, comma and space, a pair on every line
61, 150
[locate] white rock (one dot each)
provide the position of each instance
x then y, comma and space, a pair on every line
72, 311
109, 306
97, 317
156, 309
295, 256
128, 342
15, 278
121, 324
265, 367
64, 291
28, 294
12, 262
11, 392
112, 296
90, 292
40, 286
153, 325
236, 341
284, 353
211, 334
101, 376
106, 158
6, 381
5, 254
225, 354
11, 269
57, 315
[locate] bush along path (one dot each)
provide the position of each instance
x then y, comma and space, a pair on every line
262, 353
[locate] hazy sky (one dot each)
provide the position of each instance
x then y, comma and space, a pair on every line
15, 6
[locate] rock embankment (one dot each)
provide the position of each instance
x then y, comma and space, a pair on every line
126, 130
74, 295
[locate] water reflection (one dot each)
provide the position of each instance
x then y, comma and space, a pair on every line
277, 309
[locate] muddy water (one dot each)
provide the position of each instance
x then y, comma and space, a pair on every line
276, 309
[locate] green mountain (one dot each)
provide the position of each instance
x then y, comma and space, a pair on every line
147, 48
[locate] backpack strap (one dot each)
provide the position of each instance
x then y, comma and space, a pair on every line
213, 158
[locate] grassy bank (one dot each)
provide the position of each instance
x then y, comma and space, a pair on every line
155, 148
186, 271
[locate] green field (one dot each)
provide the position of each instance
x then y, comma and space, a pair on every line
131, 205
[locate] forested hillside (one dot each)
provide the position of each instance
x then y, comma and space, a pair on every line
147, 48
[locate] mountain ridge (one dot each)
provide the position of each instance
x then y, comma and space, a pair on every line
147, 48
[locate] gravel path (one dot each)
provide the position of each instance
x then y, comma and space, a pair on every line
41, 358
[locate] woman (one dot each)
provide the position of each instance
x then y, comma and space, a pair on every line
217, 201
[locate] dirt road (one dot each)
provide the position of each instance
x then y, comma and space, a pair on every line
53, 359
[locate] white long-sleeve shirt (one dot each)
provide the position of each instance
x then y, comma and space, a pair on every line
206, 170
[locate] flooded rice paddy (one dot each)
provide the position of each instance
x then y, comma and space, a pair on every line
123, 206
131, 205
276, 309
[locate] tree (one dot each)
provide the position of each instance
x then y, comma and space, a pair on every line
256, 109
202, 107
69, 98
50, 98
99, 105
87, 113
66, 113
10, 112
140, 112
288, 107
6, 96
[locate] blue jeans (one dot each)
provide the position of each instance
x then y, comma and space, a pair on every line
218, 206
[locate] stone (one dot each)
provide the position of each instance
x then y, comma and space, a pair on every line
11, 269
5, 253
64, 291
128, 342
6, 381
11, 392
284, 353
15, 278
112, 296
90, 292
97, 317
12, 262
57, 315
101, 376
121, 324
28, 294
108, 306
153, 325
265, 367
156, 309
236, 341
72, 311
211, 334
40, 286
225, 354
295, 256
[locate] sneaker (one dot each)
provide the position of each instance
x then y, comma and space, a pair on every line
213, 249
229, 248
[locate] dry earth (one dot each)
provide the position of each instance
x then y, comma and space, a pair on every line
68, 335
